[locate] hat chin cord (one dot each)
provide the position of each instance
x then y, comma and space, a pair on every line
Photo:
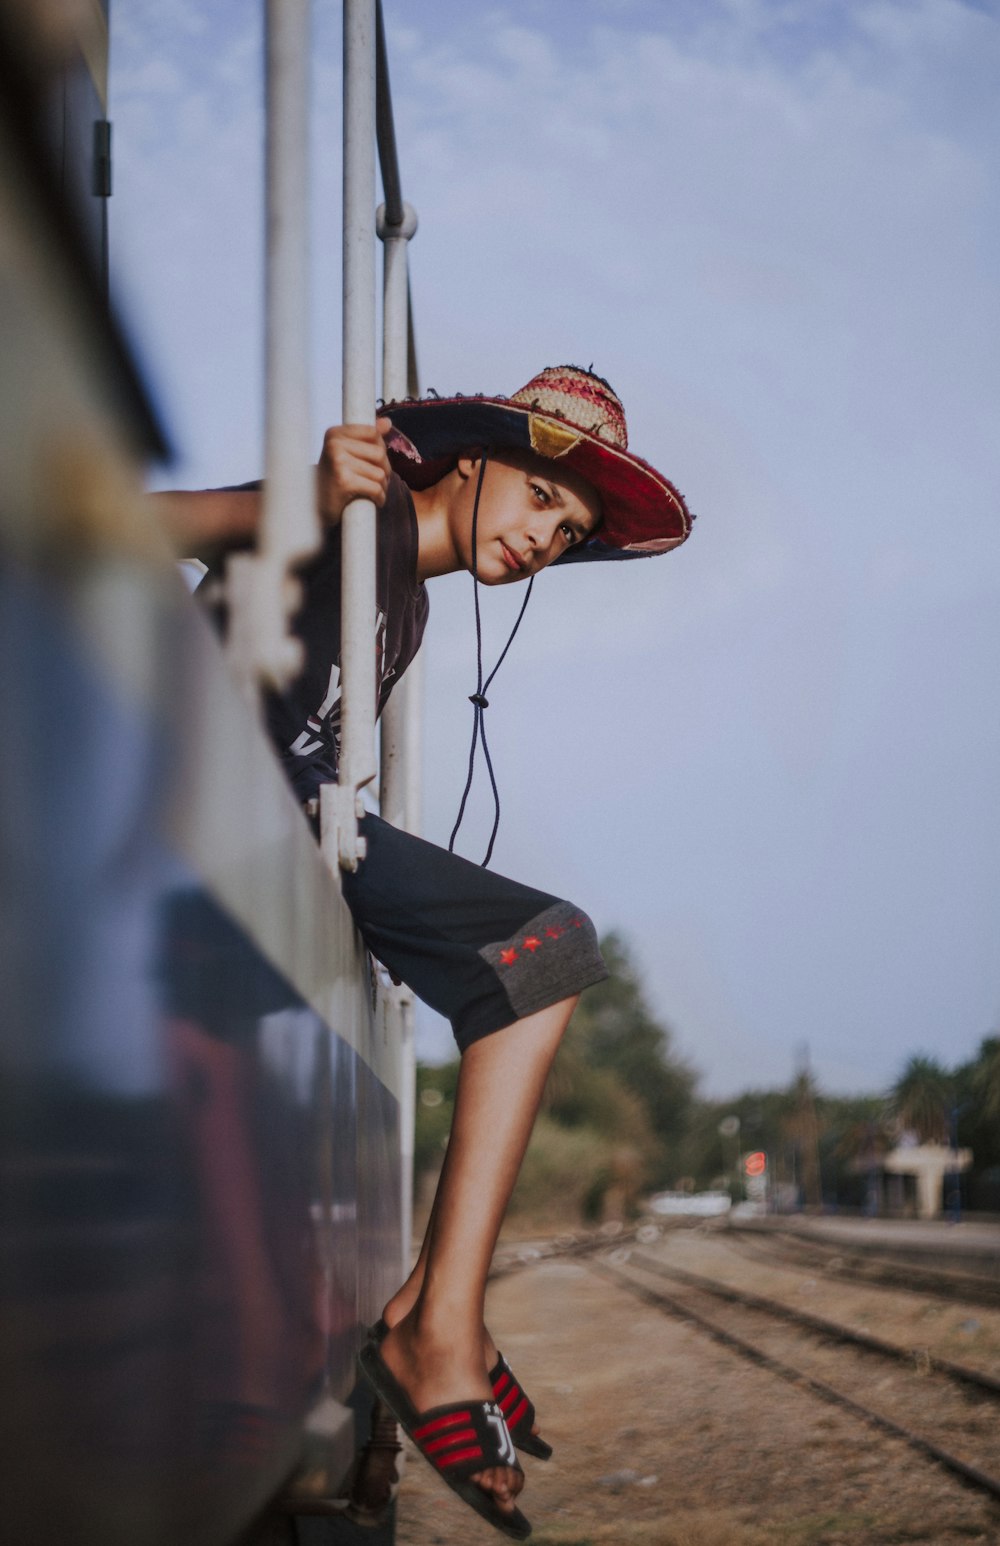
478, 699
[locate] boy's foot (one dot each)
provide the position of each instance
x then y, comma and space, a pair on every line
399, 1307
436, 1372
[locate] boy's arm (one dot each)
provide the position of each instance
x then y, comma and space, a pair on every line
206, 524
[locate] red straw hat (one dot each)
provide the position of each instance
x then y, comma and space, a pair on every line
564, 413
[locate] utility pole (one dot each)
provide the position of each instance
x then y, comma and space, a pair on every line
805, 1128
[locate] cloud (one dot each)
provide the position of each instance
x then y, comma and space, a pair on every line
772, 224
771, 228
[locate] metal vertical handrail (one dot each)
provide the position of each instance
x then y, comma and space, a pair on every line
262, 597
339, 802
262, 593
399, 790
395, 383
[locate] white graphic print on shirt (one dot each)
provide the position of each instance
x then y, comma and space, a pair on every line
324, 726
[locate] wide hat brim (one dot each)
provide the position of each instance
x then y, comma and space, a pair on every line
643, 513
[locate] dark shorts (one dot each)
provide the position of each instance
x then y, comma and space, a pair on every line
480, 949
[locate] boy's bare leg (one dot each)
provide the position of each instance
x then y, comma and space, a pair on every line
405, 1297
436, 1349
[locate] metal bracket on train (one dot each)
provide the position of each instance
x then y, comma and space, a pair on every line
340, 810
327, 1459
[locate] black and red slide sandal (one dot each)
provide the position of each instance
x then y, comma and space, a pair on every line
458, 1440
518, 1411
510, 1396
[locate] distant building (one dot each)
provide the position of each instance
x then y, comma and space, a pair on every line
928, 1164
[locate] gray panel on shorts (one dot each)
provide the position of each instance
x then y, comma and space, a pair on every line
549, 958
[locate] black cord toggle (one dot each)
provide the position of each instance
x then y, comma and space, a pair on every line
479, 700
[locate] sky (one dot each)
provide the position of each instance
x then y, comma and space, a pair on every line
770, 759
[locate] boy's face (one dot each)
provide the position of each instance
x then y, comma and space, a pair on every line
530, 511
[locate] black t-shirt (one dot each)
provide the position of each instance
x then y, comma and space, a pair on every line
304, 720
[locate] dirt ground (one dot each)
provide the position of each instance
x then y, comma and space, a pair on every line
663, 1438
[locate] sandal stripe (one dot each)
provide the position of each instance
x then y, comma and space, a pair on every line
449, 1420
509, 1399
472, 1453
501, 1383
431, 1446
458, 1441
520, 1411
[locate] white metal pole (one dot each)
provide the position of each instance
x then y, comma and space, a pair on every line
395, 350
261, 597
357, 649
290, 518
395, 292
412, 763
399, 794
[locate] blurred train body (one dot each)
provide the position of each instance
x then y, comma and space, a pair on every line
199, 1113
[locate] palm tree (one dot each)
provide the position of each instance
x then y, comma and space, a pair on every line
802, 1126
865, 1140
986, 1079
922, 1098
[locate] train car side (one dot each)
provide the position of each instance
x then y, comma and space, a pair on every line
199, 1146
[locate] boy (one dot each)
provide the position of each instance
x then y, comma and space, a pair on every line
501, 488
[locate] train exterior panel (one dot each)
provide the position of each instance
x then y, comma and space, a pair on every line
199, 1141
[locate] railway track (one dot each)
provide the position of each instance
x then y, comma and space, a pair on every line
516, 1258
967, 1400
861, 1266
963, 1402
920, 1359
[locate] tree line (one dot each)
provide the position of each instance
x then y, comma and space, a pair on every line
622, 1117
